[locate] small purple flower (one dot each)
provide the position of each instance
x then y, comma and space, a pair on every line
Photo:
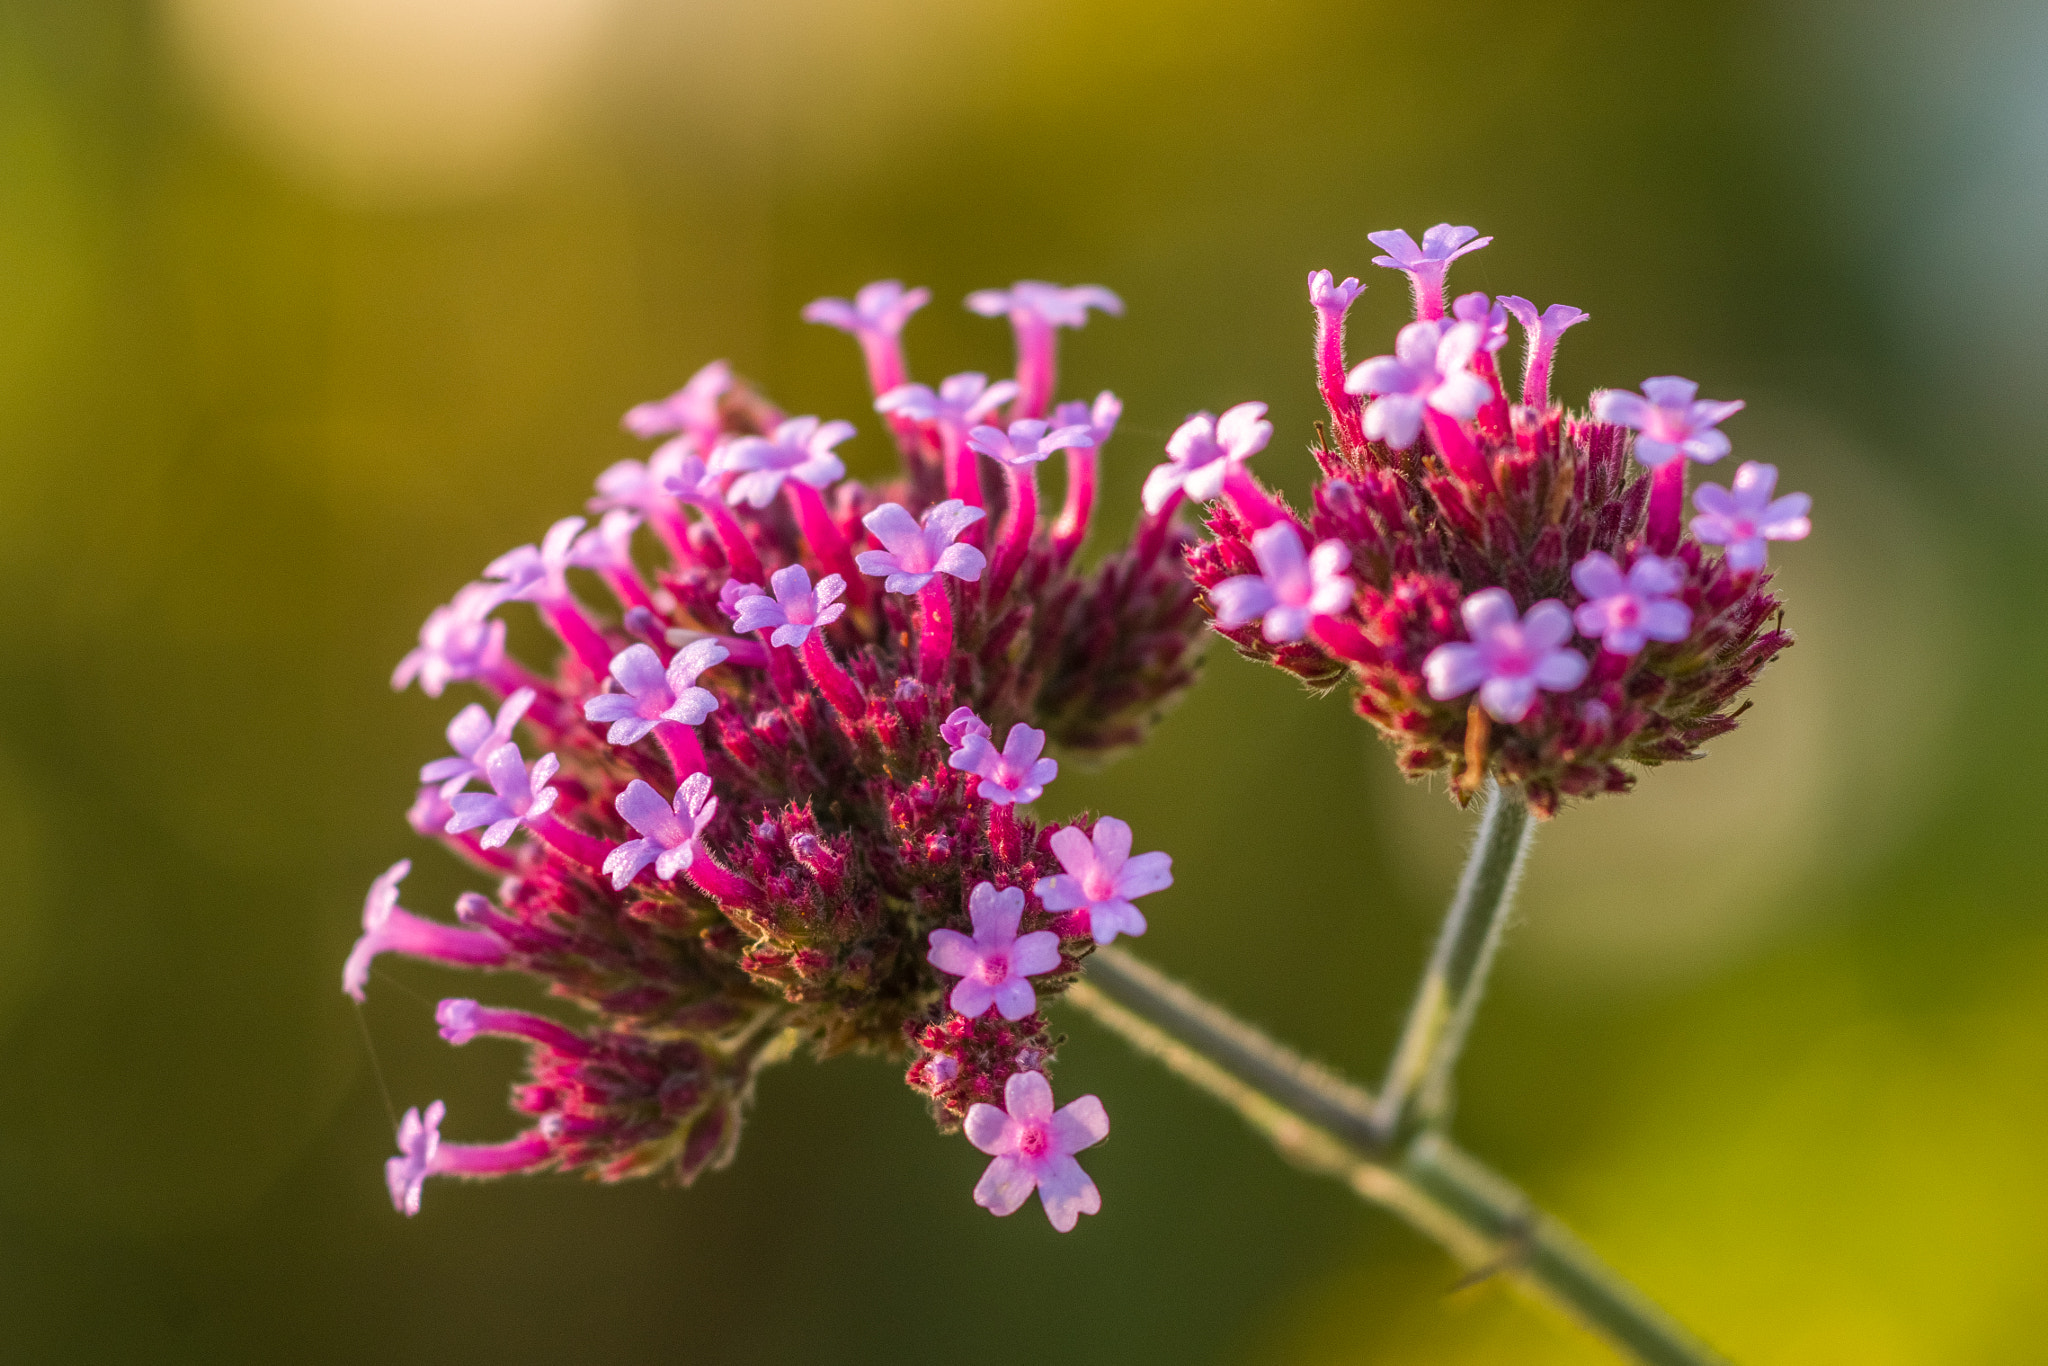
1034, 1149
800, 449
653, 694
1053, 305
917, 553
609, 544
390, 928
1290, 589
1100, 419
472, 735
517, 796
530, 575
732, 593
796, 610
690, 480
1543, 329
1028, 441
1509, 657
1330, 297
419, 1139
669, 830
1203, 451
881, 308
992, 965
962, 400
1491, 316
1623, 612
1668, 420
1425, 265
1427, 369
959, 724
458, 642
1015, 775
1742, 518
1102, 878
692, 408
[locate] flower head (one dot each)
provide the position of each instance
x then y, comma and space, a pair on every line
1203, 451
668, 830
539, 575
390, 928
692, 408
1028, 441
1426, 265
472, 735
419, 1139
800, 449
960, 723
1103, 879
916, 553
961, 400
882, 308
1742, 518
1034, 1146
1624, 611
797, 608
1669, 421
653, 694
1543, 329
1510, 656
995, 962
1329, 296
1290, 588
517, 795
609, 544
458, 642
1100, 418
1427, 370
1489, 315
1016, 774
1052, 305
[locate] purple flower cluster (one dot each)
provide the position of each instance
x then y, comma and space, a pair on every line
767, 812
1509, 586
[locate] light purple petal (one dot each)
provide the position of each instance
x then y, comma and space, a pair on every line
1241, 599
952, 951
1560, 670
1108, 919
996, 914
1453, 670
1014, 998
1005, 1186
972, 997
990, 1130
1028, 1096
1035, 953
1080, 1124
625, 861
894, 527
1548, 624
1060, 893
1067, 1193
963, 562
1145, 874
1507, 699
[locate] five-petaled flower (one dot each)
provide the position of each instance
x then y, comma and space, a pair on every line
669, 830
1623, 611
458, 642
960, 723
916, 553
539, 575
517, 796
1742, 518
1489, 315
797, 608
1055, 305
1427, 370
1425, 265
1668, 420
800, 449
1328, 295
419, 1137
1290, 589
995, 962
653, 694
1509, 657
1016, 774
1202, 453
390, 928
1540, 332
882, 307
1028, 441
1034, 1146
692, 408
961, 400
472, 735
1100, 418
1101, 878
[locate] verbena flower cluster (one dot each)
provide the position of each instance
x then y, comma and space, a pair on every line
773, 798
1509, 586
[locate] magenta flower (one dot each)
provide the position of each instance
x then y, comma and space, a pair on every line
517, 796
653, 694
1203, 451
1510, 656
1622, 612
1034, 1148
916, 553
1742, 518
1668, 420
1425, 265
1100, 419
881, 308
1490, 315
800, 449
1326, 295
390, 928
472, 735
1102, 878
419, 1139
960, 723
692, 408
962, 400
1017, 774
796, 610
1290, 588
669, 830
458, 642
732, 593
1427, 370
530, 575
1540, 333
993, 965
1028, 441
1051, 305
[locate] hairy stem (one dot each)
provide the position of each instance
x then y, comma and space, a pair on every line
1325, 1124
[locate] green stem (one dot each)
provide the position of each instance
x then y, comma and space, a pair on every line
1325, 1124
1419, 1080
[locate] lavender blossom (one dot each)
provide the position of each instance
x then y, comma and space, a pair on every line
654, 694
800, 449
1426, 265
917, 553
539, 575
1100, 418
961, 401
1028, 441
994, 964
1540, 333
1037, 301
1203, 452
419, 1138
1427, 370
796, 610
517, 797
881, 308
1741, 519
1034, 1148
609, 544
458, 642
1669, 421
960, 723
692, 408
1510, 656
1290, 589
1490, 316
1623, 612
669, 830
472, 735
390, 928
1102, 878
1016, 775
1326, 295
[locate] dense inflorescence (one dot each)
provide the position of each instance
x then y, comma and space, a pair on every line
1508, 586
769, 810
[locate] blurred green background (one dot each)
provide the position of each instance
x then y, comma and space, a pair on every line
308, 308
